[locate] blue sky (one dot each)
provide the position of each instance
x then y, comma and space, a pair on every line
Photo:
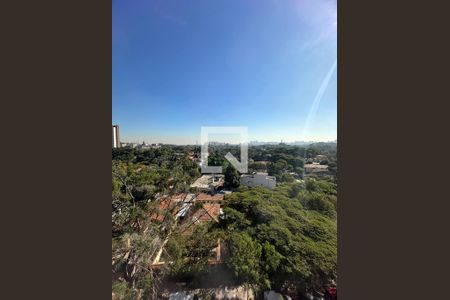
266, 64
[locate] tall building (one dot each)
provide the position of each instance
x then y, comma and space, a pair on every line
115, 136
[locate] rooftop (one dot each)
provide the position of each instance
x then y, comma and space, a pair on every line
208, 212
208, 181
316, 166
208, 197
168, 203
258, 175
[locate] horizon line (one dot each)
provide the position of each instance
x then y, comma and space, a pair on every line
224, 143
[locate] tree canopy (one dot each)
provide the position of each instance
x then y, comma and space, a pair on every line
232, 177
295, 244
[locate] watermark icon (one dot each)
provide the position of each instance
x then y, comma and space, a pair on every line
241, 166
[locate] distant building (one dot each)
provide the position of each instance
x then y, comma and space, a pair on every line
315, 168
115, 136
129, 145
208, 183
145, 146
259, 179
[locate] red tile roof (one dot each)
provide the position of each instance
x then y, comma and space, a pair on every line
167, 204
206, 197
207, 213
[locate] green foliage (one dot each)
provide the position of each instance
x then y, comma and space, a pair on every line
257, 167
332, 167
232, 178
287, 178
295, 190
271, 258
189, 255
282, 165
216, 158
319, 202
294, 243
245, 256
121, 291
321, 186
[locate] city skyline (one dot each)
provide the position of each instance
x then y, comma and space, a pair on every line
266, 65
231, 142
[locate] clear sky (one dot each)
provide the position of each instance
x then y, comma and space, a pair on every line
266, 64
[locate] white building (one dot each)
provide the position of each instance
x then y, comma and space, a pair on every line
259, 179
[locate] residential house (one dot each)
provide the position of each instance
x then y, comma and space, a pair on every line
315, 168
209, 183
210, 199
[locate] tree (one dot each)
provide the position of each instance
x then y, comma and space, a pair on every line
320, 202
287, 177
299, 171
245, 255
232, 178
189, 255
257, 167
332, 167
295, 189
311, 185
216, 159
295, 229
271, 259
